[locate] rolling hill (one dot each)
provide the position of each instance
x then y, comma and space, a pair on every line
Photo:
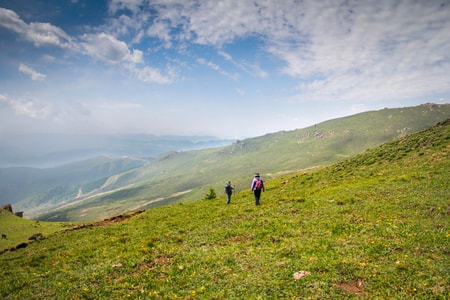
186, 176
372, 226
40, 185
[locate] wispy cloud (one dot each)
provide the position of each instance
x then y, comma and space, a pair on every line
102, 46
40, 34
149, 74
217, 68
35, 108
292, 56
33, 74
31, 108
366, 49
336, 51
252, 68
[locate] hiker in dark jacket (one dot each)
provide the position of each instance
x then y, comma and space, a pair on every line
229, 191
257, 186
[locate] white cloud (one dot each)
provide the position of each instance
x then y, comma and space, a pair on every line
367, 49
339, 47
148, 74
161, 31
358, 53
105, 47
218, 69
102, 46
252, 68
109, 49
9, 19
116, 5
33, 74
38, 33
230, 19
45, 110
371, 50
31, 108
135, 57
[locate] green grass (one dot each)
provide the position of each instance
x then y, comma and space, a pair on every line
19, 230
375, 226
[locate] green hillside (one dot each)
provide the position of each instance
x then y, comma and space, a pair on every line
374, 226
18, 230
34, 189
187, 176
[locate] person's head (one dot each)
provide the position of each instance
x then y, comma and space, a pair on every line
256, 174
229, 182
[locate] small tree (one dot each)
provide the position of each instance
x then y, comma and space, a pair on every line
211, 195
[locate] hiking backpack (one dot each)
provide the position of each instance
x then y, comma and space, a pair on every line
258, 184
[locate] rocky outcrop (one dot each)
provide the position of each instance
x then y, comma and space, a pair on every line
7, 207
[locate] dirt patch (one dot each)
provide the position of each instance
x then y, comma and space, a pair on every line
118, 218
355, 287
109, 221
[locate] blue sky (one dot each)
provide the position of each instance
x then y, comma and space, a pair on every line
231, 69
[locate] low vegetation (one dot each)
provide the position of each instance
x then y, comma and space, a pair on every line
375, 226
18, 231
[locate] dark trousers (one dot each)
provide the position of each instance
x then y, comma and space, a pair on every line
257, 196
228, 198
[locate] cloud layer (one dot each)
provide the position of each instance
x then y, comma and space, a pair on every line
357, 53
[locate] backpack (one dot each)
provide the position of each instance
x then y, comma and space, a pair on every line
258, 184
228, 188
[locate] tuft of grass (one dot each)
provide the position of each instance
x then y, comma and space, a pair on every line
375, 226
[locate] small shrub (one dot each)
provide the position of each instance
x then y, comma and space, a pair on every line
211, 194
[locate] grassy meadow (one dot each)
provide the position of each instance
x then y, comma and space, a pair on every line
19, 230
375, 227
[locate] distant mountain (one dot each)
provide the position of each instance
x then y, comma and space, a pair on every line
58, 183
186, 176
50, 150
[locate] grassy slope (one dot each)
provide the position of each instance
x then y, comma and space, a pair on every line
271, 155
36, 190
19, 230
373, 226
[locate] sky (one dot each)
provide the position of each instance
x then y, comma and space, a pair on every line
231, 69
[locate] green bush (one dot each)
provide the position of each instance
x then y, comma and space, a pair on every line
211, 195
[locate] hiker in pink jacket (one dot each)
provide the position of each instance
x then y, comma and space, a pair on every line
257, 187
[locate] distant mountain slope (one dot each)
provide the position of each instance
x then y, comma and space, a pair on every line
17, 184
184, 176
